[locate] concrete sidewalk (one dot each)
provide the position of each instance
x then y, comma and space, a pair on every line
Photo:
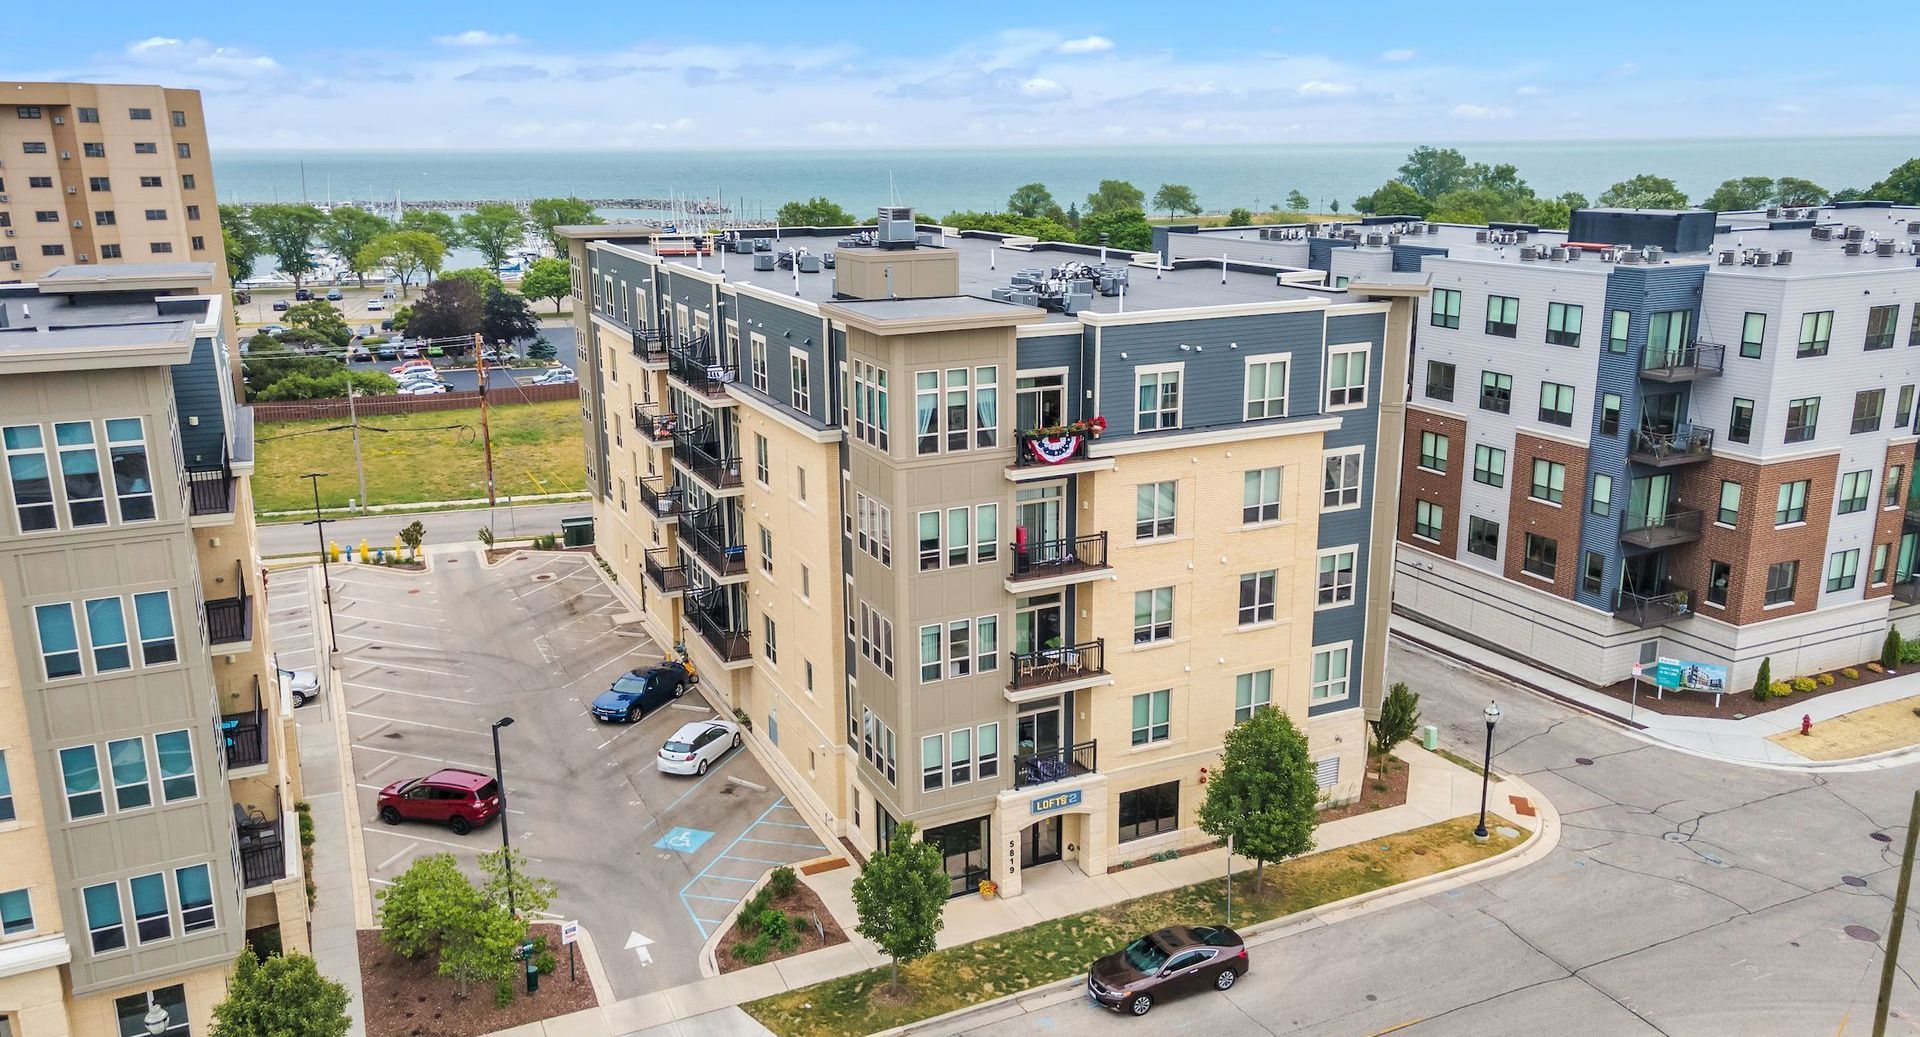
1731, 740
1437, 790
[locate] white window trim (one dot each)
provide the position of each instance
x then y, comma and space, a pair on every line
1345, 678
805, 363
1179, 411
1354, 590
1321, 487
1285, 360
1365, 348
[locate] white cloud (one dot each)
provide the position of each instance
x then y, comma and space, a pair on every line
1790, 109
1529, 90
1397, 54
842, 128
1042, 88
152, 43
1323, 88
1481, 111
201, 57
1085, 45
478, 38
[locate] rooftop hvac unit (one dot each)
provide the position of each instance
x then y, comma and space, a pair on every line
1725, 257
1913, 226
1883, 248
1376, 239
1480, 237
896, 229
1856, 233
1773, 212
1559, 252
1393, 239
1852, 248
1822, 233
1628, 256
1763, 258
1528, 253
1652, 253
1520, 235
764, 260
1433, 228
1784, 257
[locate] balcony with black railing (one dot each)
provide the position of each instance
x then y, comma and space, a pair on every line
650, 344
1050, 765
700, 452
1059, 665
1068, 559
1683, 363
230, 620
263, 846
729, 643
1688, 444
667, 579
656, 427
1035, 450
1663, 604
1675, 525
246, 738
659, 501
210, 489
706, 534
692, 361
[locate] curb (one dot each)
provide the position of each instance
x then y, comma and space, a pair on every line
709, 951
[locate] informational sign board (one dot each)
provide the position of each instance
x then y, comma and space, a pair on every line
1057, 801
569, 932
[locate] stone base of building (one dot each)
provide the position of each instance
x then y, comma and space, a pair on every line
1593, 648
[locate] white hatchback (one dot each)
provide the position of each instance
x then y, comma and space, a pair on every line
698, 745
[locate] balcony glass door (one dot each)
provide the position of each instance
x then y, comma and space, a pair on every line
1660, 413
1644, 574
1041, 401
1038, 732
1648, 501
1904, 566
1036, 621
1042, 521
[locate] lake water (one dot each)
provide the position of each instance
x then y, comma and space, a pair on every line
939, 180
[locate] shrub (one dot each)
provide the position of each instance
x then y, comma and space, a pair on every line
545, 962
1909, 653
546, 542
782, 882
1851, 674
791, 942
752, 952
1892, 651
485, 535
503, 993
1825, 679
774, 925
1779, 690
751, 911
1803, 685
1876, 667
1763, 683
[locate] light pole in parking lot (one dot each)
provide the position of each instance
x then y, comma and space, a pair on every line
500, 779
1492, 713
319, 525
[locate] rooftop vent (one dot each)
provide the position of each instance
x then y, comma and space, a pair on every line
1821, 233
1784, 257
1883, 248
1773, 212
1856, 232
1913, 226
1762, 257
1528, 254
1376, 239
1852, 248
896, 229
1067, 288
1725, 257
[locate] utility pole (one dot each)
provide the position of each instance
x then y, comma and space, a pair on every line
319, 525
1892, 960
353, 416
486, 433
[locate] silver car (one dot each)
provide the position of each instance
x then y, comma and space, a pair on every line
303, 685
698, 745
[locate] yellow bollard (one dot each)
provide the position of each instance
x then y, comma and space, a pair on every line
363, 549
333, 550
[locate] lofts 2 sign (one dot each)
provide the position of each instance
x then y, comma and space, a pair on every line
1057, 801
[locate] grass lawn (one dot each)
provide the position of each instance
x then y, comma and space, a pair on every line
1875, 729
1026, 958
536, 449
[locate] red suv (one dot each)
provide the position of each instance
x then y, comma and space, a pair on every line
461, 800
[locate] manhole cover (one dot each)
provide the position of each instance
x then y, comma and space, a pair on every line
542, 577
1583, 761
1862, 933
1853, 880
1881, 837
1676, 837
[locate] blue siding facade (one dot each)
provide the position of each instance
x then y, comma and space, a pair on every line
1337, 528
199, 391
1407, 258
1213, 384
785, 330
1320, 252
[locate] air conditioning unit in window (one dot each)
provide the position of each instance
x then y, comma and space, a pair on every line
66, 154
77, 224
73, 190
59, 120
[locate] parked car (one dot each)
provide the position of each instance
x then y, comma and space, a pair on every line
697, 745
418, 378
303, 294
388, 294
1176, 960
462, 800
556, 376
276, 330
499, 356
387, 351
335, 295
410, 351
411, 365
423, 387
303, 685
280, 305
374, 305
639, 692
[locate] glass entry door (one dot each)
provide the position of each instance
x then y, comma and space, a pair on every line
963, 850
1042, 522
1040, 843
1660, 413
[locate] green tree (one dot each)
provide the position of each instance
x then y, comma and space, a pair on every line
506, 318
446, 308
1176, 198
1902, 184
1239, 217
1644, 191
1073, 215
242, 242
814, 212
494, 231
439, 224
289, 233
1432, 172
1116, 196
348, 231
1035, 202
1763, 682
541, 349
900, 896
1547, 212
1037, 227
1399, 717
1796, 192
1264, 795
480, 278
1125, 229
409, 252
1297, 202
1890, 648
326, 384
547, 278
1851, 194
414, 911
1394, 198
1744, 192
548, 213
413, 534
284, 996
531, 894
478, 944
320, 318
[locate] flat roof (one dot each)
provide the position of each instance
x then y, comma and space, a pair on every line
887, 316
124, 275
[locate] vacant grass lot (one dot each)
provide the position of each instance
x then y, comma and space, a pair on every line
1026, 958
1875, 729
433, 456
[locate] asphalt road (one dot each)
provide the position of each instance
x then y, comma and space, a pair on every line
466, 378
1686, 897
284, 538
431, 660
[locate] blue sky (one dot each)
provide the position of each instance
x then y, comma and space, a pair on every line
599, 74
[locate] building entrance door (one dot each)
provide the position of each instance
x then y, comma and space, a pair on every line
1040, 843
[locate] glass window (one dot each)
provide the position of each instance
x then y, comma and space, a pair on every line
933, 762
59, 641
757, 361
1855, 489
1667, 338
988, 748
1433, 452
1556, 404
153, 612
1335, 585
105, 929
1347, 378
1593, 571
1429, 520
1496, 391
930, 653
28, 474
1260, 496
1903, 409
1549, 481
1445, 309
1618, 324
959, 529
1256, 597
1780, 580
1753, 332
986, 526
1266, 395
1158, 400
958, 413
1503, 316
1154, 507
1877, 572
1610, 413
175, 752
929, 540
1890, 495
1542, 557
926, 412
1153, 615
80, 778
986, 406
152, 916
127, 759
1729, 502
1483, 537
1149, 811
1816, 330
1250, 692
986, 638
1602, 495
6, 790
1563, 324
800, 381
1740, 423
959, 648
107, 634
1792, 504
1151, 713
762, 461
1330, 672
80, 473
1867, 405
1489, 465
1843, 569
16, 912
1341, 486
1881, 324
1803, 418
960, 755
1439, 380
1719, 576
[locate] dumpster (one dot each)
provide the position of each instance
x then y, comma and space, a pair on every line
577, 532
1430, 737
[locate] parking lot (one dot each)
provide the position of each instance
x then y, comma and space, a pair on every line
431, 660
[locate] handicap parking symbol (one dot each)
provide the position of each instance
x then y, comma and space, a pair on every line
683, 840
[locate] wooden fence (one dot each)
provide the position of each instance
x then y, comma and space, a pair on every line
370, 406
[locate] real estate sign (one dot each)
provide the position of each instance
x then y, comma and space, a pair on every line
1687, 675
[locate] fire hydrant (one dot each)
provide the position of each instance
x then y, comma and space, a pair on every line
1806, 723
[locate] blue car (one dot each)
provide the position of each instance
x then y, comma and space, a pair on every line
639, 692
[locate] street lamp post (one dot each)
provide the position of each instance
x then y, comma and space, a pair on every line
500, 779
157, 1020
319, 525
1486, 771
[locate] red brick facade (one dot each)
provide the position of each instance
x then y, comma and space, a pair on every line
1559, 523
1886, 523
1421, 484
1754, 543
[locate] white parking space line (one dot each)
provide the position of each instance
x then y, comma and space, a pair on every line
384, 605
382, 765
404, 851
414, 723
400, 834
776, 842
409, 694
430, 759
382, 664
391, 641
384, 622
617, 736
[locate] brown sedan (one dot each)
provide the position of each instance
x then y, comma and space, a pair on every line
1168, 963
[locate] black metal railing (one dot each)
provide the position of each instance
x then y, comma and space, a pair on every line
1677, 525
230, 620
210, 488
668, 579
246, 733
1039, 768
263, 850
706, 534
650, 344
693, 362
1025, 454
657, 427
659, 502
1054, 665
731, 644
1685, 445
1664, 604
1042, 559
1679, 363
700, 451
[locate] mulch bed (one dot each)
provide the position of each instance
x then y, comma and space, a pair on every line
1737, 700
803, 902
404, 998
1372, 799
